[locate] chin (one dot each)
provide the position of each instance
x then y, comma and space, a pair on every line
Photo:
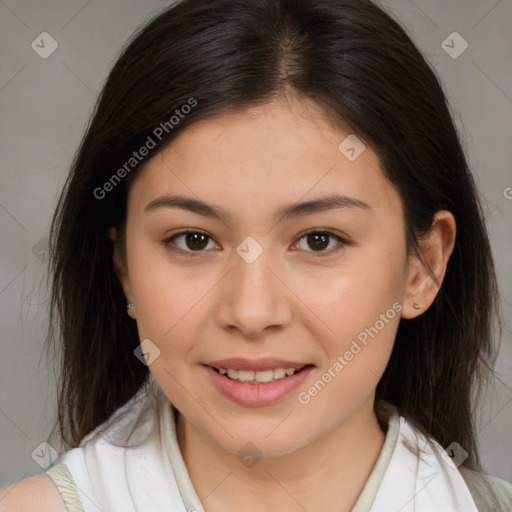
264, 440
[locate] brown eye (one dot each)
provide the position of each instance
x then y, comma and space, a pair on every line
195, 241
319, 241
191, 241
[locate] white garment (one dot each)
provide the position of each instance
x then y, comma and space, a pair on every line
150, 475
139, 478
429, 482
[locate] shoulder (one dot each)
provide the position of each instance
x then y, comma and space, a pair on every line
490, 493
35, 494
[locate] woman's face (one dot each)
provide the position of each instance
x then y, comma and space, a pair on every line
266, 285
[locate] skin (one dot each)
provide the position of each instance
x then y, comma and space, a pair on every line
291, 302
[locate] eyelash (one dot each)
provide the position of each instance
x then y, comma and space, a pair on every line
169, 244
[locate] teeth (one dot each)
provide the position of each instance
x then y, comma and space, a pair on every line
245, 376
279, 373
264, 376
233, 374
259, 376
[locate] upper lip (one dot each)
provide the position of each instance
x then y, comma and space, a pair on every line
265, 363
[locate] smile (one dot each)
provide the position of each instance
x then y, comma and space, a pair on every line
258, 377
256, 383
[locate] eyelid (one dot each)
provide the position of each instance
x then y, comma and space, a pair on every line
328, 231
168, 242
342, 241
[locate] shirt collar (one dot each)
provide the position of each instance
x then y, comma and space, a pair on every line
387, 413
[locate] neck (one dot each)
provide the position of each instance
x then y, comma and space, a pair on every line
328, 474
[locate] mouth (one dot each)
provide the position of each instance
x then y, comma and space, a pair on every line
258, 382
260, 376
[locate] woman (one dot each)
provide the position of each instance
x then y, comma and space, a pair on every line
271, 273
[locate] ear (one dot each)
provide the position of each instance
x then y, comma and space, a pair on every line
120, 268
427, 268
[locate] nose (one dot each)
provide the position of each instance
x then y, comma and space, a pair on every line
254, 298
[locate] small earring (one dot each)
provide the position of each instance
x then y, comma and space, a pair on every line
130, 309
417, 306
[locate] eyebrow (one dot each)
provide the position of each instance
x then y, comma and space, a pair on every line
331, 202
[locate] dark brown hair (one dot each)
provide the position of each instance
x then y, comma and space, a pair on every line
359, 65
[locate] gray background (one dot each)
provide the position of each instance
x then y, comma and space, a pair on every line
45, 104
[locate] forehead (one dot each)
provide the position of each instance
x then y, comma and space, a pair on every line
266, 156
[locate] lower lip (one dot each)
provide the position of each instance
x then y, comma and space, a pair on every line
257, 394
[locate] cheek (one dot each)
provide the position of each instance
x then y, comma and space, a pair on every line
167, 299
361, 307
357, 294
364, 316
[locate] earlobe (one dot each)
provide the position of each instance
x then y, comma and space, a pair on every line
428, 265
130, 309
